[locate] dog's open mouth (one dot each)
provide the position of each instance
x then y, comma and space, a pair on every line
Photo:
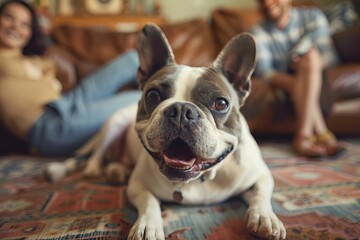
178, 163
178, 155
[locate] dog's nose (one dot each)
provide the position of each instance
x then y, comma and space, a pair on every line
179, 112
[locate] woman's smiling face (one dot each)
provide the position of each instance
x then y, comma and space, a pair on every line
15, 27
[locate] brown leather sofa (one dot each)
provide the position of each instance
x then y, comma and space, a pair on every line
79, 51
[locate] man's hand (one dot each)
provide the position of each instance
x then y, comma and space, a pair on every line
309, 60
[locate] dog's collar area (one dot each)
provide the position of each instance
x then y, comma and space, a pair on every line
177, 194
179, 176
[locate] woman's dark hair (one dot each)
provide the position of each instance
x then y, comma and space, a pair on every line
36, 44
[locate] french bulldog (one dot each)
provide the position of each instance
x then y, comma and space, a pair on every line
188, 138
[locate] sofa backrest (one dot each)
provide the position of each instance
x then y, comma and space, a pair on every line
227, 22
195, 43
192, 42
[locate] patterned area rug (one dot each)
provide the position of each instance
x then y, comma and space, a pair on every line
315, 200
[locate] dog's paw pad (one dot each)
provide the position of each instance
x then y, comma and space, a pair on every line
116, 173
55, 171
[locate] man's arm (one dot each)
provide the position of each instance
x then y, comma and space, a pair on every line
320, 32
265, 70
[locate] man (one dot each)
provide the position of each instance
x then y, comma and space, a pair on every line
293, 48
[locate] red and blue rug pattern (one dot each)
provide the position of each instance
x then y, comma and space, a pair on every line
317, 199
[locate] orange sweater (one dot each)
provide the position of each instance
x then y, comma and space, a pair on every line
26, 85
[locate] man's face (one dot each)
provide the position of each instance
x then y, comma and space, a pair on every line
274, 10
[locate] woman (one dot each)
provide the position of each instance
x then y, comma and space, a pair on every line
31, 103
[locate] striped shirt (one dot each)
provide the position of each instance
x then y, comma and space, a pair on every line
274, 45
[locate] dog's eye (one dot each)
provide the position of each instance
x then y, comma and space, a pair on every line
153, 96
220, 104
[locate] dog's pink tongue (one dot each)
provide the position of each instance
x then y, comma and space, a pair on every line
178, 162
178, 154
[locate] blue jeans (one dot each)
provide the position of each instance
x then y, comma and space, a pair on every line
69, 122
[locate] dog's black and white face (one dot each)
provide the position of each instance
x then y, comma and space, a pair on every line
188, 118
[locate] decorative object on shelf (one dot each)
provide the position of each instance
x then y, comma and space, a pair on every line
92, 7
95, 7
106, 7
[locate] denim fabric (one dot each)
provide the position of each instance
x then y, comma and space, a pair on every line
69, 122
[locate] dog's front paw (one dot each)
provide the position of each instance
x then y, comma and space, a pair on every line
92, 169
145, 228
116, 173
265, 224
55, 171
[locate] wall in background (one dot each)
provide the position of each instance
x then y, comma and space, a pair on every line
177, 11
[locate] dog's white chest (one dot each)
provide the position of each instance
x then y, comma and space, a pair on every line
231, 180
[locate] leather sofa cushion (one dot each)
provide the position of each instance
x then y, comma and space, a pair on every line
93, 44
345, 80
191, 41
227, 22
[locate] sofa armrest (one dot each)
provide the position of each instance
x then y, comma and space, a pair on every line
345, 80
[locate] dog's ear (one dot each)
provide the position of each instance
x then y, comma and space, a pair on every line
154, 52
237, 62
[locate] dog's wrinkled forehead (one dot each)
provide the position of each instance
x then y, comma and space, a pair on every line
175, 80
184, 83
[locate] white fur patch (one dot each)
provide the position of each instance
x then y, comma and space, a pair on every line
186, 81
